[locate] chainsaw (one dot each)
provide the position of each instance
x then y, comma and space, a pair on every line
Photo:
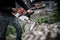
25, 18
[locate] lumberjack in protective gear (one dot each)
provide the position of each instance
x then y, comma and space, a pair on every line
21, 14
6, 17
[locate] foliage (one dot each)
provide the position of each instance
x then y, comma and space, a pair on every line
48, 18
57, 16
23, 27
11, 30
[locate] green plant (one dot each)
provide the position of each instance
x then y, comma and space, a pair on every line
11, 30
48, 18
23, 27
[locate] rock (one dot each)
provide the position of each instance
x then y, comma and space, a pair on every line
43, 32
12, 37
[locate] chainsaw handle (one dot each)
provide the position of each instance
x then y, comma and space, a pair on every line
28, 14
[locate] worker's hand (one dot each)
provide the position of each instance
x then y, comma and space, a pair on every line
18, 10
30, 11
14, 10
